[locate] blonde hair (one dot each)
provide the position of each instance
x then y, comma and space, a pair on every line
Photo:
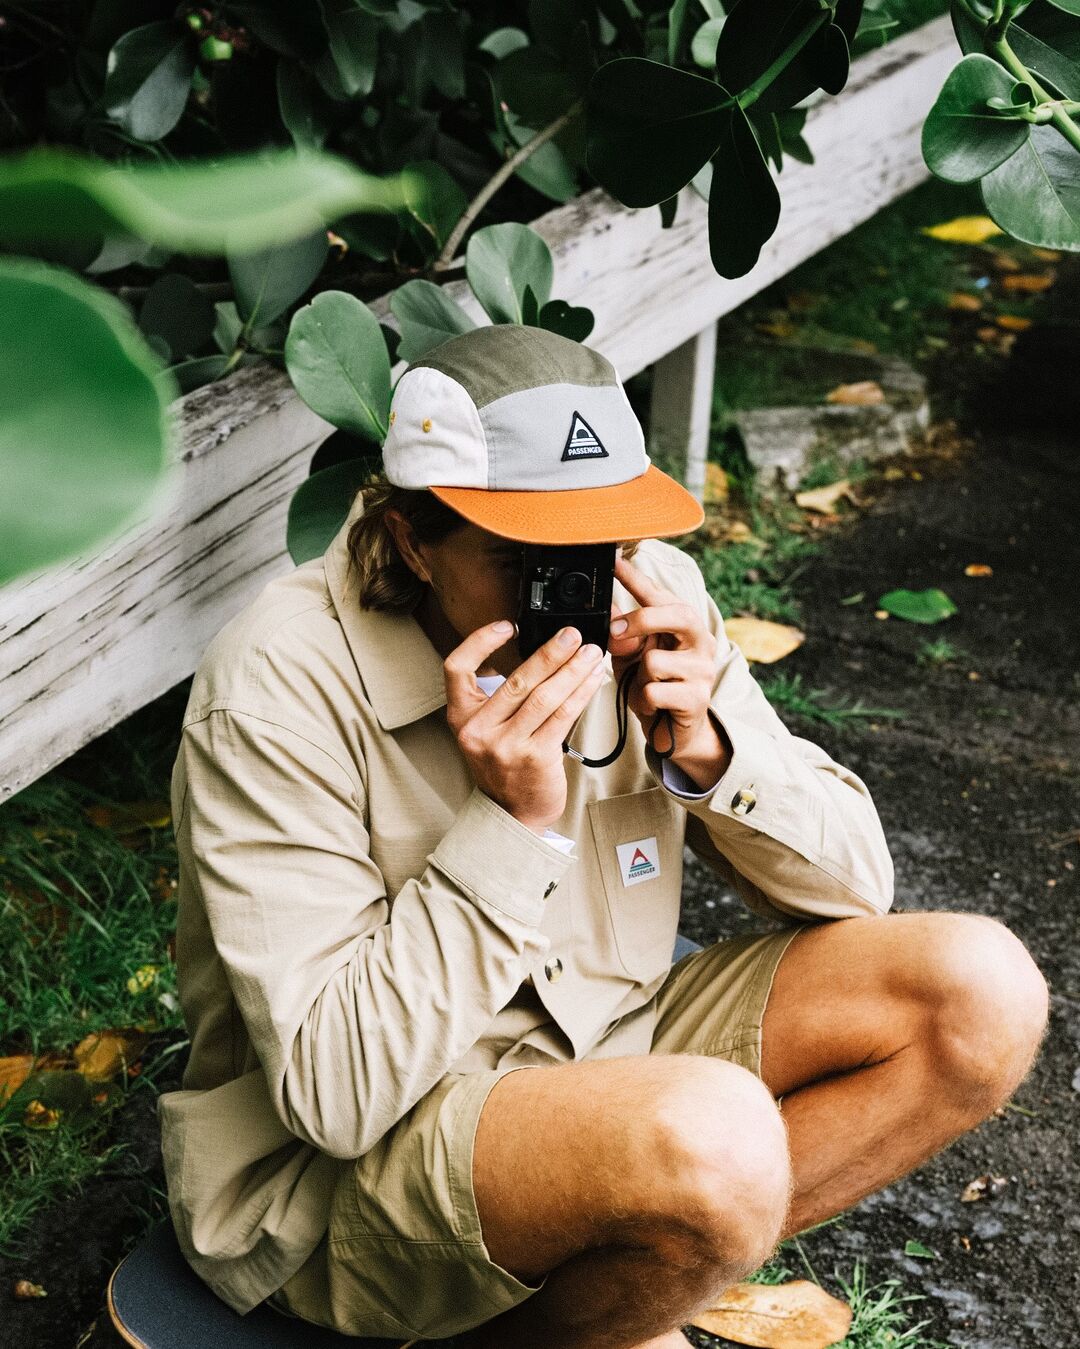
384, 579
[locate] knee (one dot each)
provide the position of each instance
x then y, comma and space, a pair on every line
985, 1007
722, 1146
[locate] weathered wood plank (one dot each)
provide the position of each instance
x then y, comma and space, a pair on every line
88, 643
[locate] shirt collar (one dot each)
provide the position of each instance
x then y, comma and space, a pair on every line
401, 670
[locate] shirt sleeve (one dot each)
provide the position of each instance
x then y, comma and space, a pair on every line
811, 844
356, 1002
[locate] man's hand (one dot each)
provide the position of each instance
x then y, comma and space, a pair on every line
678, 664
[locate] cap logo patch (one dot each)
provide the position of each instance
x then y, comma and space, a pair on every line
582, 442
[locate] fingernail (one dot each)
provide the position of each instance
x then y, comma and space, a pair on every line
567, 636
590, 653
618, 626
503, 625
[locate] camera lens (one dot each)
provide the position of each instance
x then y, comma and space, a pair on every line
573, 588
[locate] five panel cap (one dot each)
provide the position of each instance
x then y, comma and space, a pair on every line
530, 435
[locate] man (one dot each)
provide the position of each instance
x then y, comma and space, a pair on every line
398, 890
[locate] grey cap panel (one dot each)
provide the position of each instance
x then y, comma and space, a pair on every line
578, 436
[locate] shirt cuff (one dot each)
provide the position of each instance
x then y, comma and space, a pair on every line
499, 860
560, 841
749, 793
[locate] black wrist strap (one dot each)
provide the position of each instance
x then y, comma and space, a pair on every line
622, 717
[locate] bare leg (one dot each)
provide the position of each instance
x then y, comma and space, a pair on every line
889, 1038
645, 1185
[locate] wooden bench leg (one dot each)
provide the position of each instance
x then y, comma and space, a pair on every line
680, 415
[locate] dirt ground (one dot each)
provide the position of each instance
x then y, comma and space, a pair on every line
978, 787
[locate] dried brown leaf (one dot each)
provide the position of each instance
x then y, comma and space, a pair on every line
796, 1315
762, 640
100, 1055
862, 393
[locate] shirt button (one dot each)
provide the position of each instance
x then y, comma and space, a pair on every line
551, 887
743, 801
553, 969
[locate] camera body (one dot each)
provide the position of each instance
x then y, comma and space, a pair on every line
565, 585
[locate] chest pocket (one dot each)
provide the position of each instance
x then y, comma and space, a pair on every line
642, 878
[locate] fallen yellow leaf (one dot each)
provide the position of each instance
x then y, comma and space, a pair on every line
1013, 322
13, 1073
1047, 254
100, 1055
964, 229
130, 816
25, 1289
39, 1116
961, 299
796, 1315
1028, 282
716, 484
862, 392
761, 639
142, 979
978, 569
825, 498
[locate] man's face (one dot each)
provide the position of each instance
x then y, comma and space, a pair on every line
476, 578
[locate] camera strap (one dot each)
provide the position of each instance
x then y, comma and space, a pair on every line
622, 719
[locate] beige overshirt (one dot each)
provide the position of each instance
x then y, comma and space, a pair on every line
355, 915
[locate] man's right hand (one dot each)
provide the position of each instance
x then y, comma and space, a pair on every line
513, 740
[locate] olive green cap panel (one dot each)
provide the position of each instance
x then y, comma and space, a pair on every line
506, 358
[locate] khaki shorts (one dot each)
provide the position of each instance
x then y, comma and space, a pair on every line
404, 1257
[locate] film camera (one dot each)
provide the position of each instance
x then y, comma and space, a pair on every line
565, 586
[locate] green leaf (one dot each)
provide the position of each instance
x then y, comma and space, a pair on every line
744, 205
705, 41
177, 311
227, 326
918, 606
961, 139
433, 199
200, 370
677, 16
235, 203
651, 128
85, 435
503, 41
1047, 61
1035, 194
148, 79
267, 282
921, 1252
432, 55
546, 169
569, 321
755, 35
320, 506
337, 361
427, 316
535, 84
1069, 6
305, 110
354, 40
530, 309
499, 261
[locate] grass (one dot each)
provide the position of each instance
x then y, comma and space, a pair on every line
786, 692
938, 652
83, 907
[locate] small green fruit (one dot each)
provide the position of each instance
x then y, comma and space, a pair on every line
213, 49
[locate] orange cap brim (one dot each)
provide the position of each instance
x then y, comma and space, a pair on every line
651, 506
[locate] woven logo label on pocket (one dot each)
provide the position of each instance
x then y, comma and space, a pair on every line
638, 861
